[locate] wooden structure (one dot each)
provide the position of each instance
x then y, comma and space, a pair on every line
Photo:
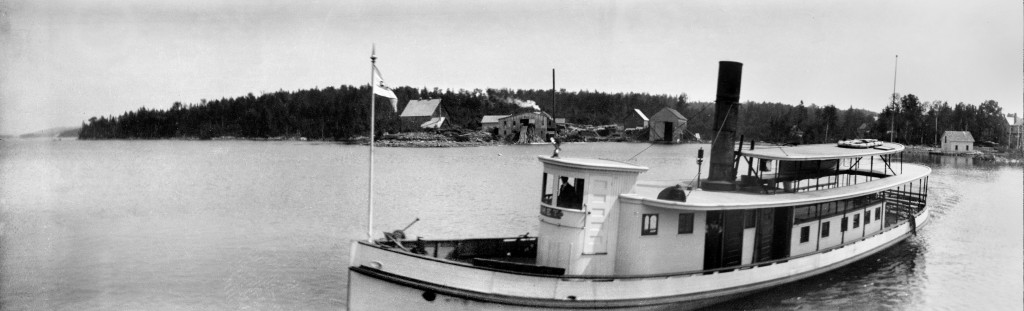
423, 113
1015, 131
489, 122
957, 142
668, 125
636, 120
526, 127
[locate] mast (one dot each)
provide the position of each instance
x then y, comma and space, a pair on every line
369, 206
892, 120
554, 104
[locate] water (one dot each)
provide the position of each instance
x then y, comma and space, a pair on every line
228, 225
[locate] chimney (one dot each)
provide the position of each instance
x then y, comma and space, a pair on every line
722, 175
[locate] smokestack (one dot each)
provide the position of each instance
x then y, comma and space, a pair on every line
722, 175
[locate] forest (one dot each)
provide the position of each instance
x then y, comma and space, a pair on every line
342, 113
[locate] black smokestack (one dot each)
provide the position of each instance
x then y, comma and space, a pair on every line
722, 175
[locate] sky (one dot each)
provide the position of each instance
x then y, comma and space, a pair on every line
63, 61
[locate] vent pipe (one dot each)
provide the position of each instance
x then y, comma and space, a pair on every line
722, 173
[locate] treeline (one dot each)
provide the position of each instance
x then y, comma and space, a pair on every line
915, 122
340, 113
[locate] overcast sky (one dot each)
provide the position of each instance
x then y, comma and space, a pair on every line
63, 62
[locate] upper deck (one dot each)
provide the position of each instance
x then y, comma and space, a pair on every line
647, 193
820, 152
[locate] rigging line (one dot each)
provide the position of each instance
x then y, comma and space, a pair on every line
641, 151
720, 130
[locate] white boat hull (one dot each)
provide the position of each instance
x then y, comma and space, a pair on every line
386, 280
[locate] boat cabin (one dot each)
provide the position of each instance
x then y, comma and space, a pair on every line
596, 219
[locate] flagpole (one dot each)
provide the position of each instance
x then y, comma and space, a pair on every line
373, 104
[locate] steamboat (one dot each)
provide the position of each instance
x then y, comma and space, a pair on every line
607, 240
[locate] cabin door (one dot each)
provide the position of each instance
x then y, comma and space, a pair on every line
668, 131
598, 202
732, 238
713, 241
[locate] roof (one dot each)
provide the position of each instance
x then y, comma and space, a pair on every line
819, 152
1011, 120
642, 115
594, 164
421, 108
668, 112
492, 118
958, 136
530, 112
647, 193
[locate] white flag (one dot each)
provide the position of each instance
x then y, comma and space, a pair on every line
380, 88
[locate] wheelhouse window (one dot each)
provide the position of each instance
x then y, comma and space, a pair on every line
547, 189
805, 234
856, 220
570, 193
878, 214
825, 226
867, 217
685, 223
649, 224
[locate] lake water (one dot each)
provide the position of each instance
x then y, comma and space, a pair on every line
228, 225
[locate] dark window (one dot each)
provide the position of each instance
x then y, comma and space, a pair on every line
570, 193
547, 188
802, 214
686, 223
649, 224
842, 225
867, 217
824, 229
878, 213
805, 234
856, 220
749, 218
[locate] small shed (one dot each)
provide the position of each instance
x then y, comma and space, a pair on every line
489, 122
957, 142
423, 113
526, 127
668, 125
863, 130
1015, 131
636, 120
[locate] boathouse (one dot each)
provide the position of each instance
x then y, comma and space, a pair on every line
636, 120
526, 127
668, 125
489, 122
1015, 131
957, 142
423, 113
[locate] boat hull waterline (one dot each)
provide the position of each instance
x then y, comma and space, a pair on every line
387, 279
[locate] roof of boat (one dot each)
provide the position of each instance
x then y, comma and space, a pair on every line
648, 191
598, 164
820, 152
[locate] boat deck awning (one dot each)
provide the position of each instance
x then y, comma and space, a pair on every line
647, 193
819, 152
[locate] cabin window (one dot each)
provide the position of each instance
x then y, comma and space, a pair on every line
649, 224
856, 220
878, 214
547, 188
570, 193
825, 229
867, 217
805, 234
805, 213
685, 223
749, 218
842, 225
956, 148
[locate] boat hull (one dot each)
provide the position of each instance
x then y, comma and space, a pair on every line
382, 281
